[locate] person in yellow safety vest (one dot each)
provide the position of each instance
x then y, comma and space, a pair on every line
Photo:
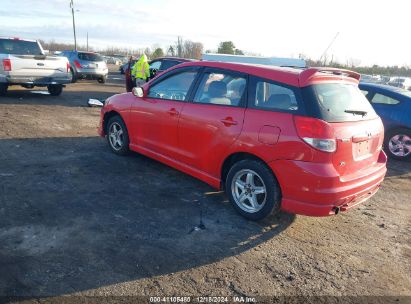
141, 70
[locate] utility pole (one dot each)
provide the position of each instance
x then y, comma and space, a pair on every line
74, 24
332, 41
87, 41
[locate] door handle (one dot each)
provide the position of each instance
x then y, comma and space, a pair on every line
228, 121
173, 112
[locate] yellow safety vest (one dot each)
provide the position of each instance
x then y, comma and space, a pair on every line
141, 68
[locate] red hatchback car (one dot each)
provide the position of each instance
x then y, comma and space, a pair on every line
304, 141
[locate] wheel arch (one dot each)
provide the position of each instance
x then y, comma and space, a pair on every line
231, 159
107, 117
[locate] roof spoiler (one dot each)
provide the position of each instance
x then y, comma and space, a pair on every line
309, 73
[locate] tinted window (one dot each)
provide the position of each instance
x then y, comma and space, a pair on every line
155, 65
379, 98
19, 47
90, 57
175, 87
166, 64
220, 88
274, 96
337, 102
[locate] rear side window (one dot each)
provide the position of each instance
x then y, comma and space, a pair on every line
266, 94
19, 47
222, 88
338, 102
383, 99
274, 96
90, 57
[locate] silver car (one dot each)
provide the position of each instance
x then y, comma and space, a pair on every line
86, 65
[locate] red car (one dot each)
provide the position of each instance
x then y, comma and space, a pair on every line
304, 141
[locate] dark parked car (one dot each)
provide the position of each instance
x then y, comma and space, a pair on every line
86, 65
393, 105
157, 65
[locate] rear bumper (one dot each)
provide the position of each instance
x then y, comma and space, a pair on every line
317, 189
90, 73
35, 81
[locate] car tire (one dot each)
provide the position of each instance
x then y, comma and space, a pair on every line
242, 188
55, 89
102, 79
117, 136
73, 76
397, 143
3, 89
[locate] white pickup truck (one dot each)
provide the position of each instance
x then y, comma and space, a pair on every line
24, 62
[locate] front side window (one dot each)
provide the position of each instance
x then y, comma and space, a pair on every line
175, 87
274, 96
383, 99
221, 88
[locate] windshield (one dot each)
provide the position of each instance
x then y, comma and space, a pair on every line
90, 57
339, 102
19, 47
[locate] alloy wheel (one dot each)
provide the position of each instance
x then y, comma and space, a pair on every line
249, 191
116, 136
400, 145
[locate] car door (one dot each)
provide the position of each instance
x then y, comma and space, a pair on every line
213, 121
154, 117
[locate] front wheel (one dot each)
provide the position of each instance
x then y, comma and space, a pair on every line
398, 143
55, 89
117, 136
253, 189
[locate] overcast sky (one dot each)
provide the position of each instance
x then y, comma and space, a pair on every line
372, 32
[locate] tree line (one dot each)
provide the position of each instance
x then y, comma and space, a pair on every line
193, 50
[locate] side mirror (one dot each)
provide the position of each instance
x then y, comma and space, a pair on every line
138, 91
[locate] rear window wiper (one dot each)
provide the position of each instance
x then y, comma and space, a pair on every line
357, 112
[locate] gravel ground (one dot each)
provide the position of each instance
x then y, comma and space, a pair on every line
78, 220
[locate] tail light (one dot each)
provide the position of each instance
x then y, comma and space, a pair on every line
316, 132
6, 65
68, 67
77, 64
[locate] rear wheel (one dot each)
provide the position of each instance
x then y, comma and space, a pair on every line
117, 136
3, 89
398, 143
55, 89
102, 79
253, 189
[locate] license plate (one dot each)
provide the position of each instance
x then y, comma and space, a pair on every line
362, 148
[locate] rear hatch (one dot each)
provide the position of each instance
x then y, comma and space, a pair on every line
91, 62
28, 60
358, 130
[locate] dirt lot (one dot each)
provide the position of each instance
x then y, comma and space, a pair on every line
77, 220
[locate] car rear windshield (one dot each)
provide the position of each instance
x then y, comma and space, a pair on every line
19, 47
337, 102
90, 57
